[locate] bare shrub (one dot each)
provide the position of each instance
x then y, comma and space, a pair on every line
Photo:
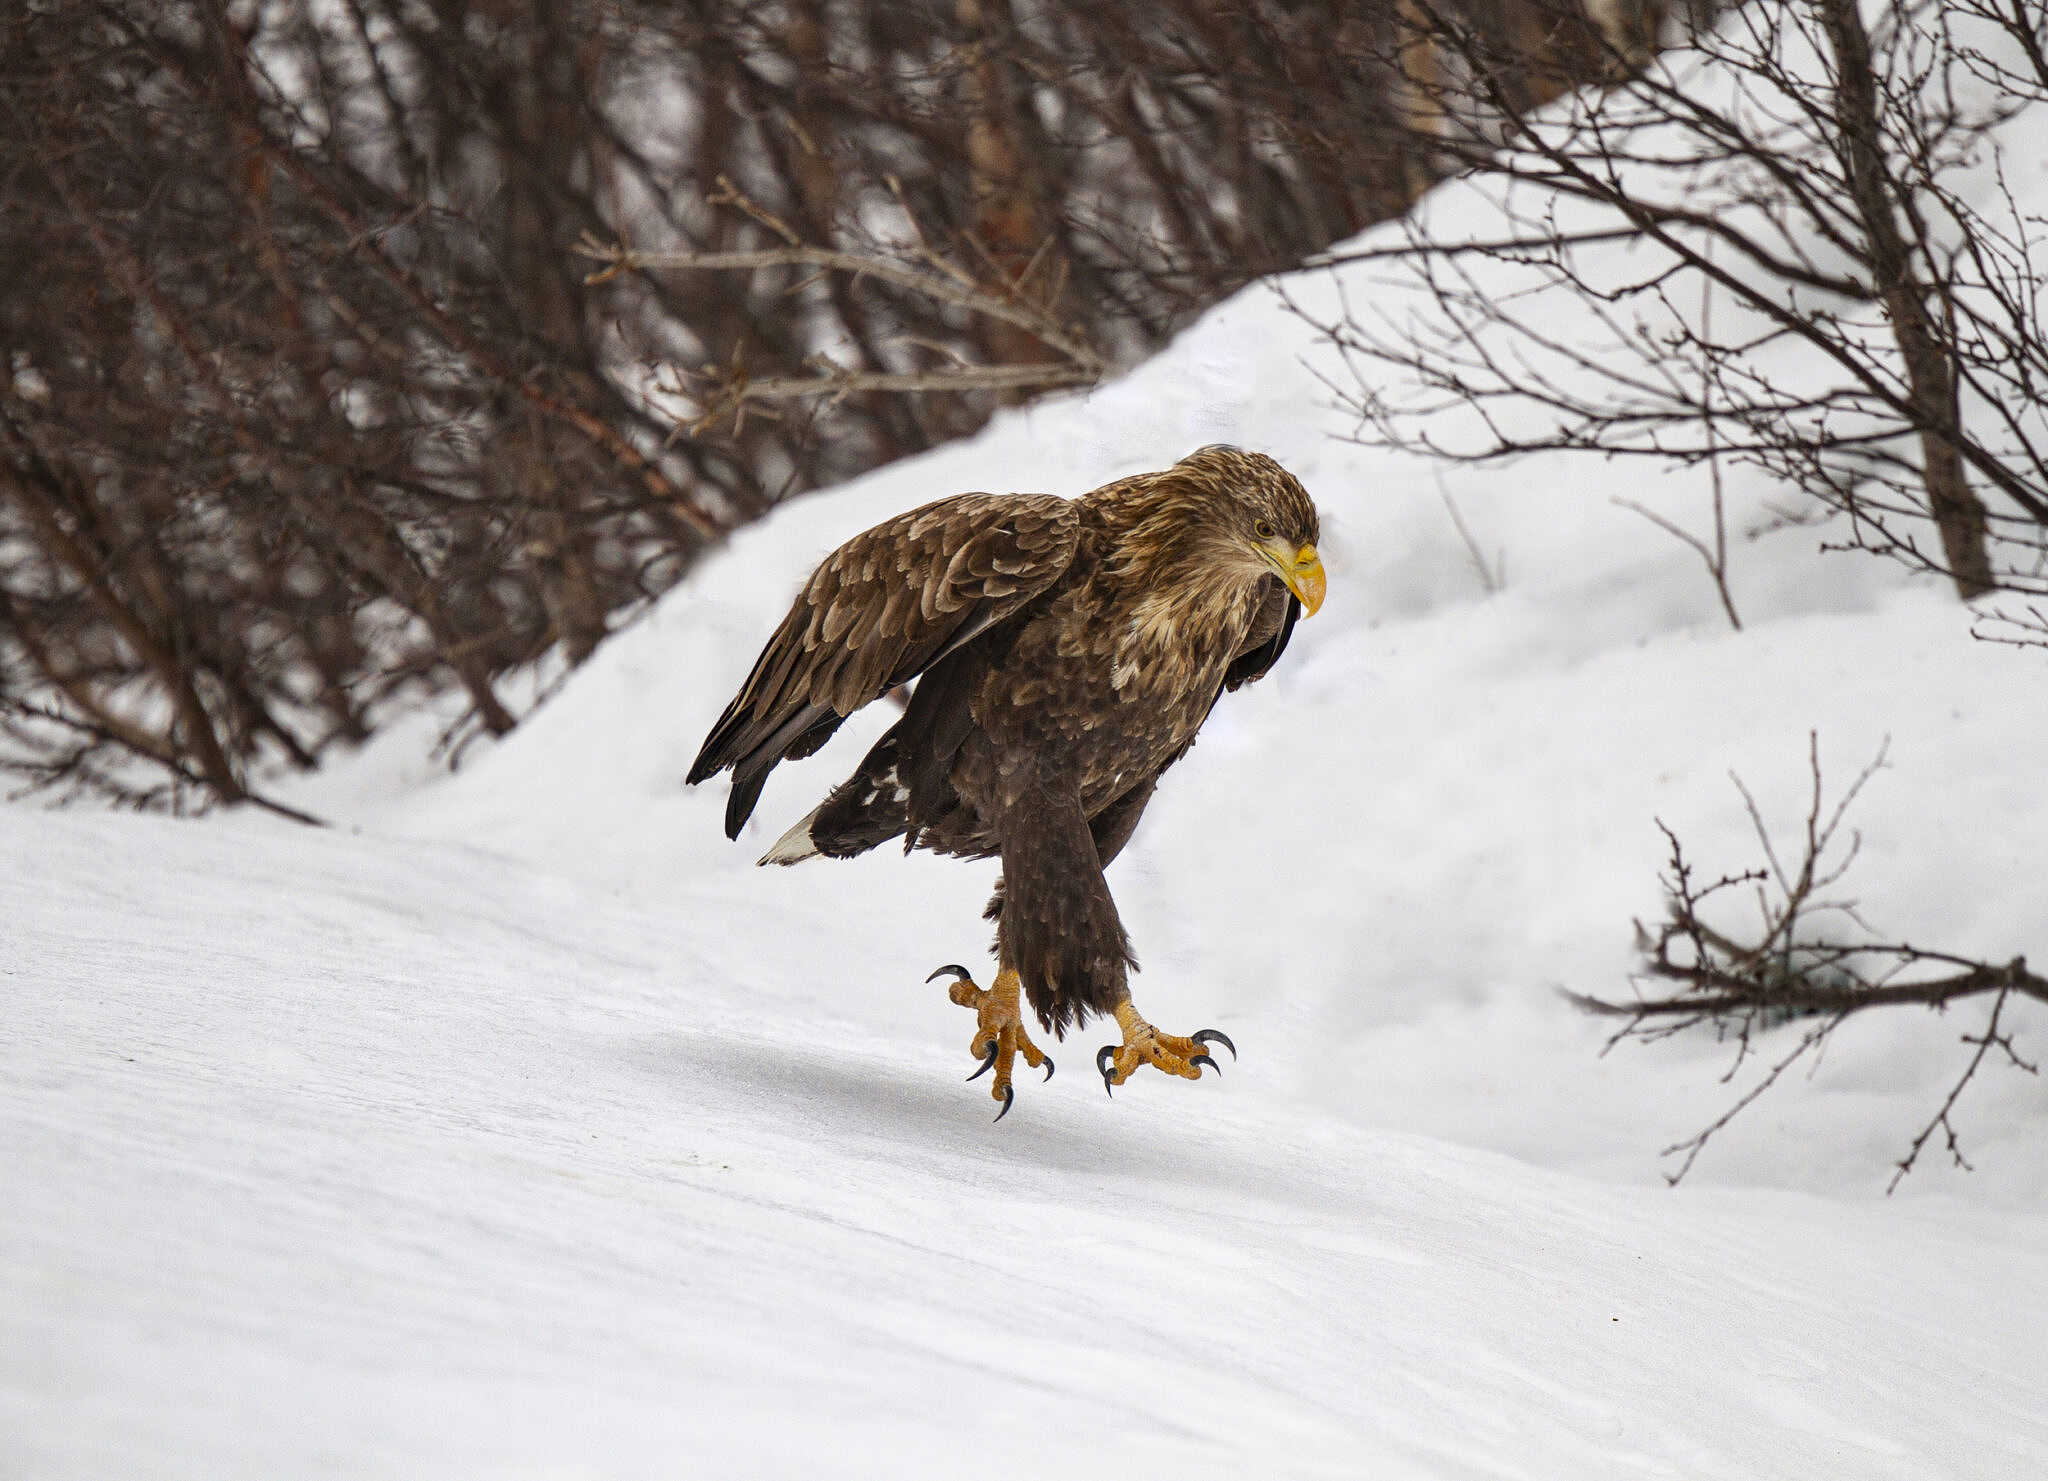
308, 401
1781, 988
1828, 274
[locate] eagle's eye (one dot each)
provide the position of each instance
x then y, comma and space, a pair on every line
1263, 530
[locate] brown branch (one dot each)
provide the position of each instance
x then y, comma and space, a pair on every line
1745, 985
1715, 555
1984, 1042
102, 729
1714, 992
731, 390
939, 287
240, 97
195, 724
1493, 579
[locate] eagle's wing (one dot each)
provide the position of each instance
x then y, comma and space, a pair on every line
880, 610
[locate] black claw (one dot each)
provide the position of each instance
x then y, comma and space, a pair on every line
1009, 1099
956, 969
1048, 1069
1103, 1056
987, 1064
1216, 1036
1204, 1059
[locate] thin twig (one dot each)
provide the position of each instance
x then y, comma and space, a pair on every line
936, 286
1492, 579
1745, 986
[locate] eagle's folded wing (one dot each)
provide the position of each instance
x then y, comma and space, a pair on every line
877, 612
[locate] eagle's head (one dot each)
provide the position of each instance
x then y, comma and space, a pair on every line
1239, 515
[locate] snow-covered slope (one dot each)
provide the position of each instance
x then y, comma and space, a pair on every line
520, 1126
346, 1156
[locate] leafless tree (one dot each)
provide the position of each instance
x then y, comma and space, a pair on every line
308, 398
300, 405
1828, 272
1781, 988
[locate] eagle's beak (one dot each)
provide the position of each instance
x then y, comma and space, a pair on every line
1305, 578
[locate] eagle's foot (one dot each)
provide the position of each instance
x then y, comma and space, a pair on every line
1144, 1044
999, 1035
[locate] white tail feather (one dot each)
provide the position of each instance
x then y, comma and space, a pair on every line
794, 846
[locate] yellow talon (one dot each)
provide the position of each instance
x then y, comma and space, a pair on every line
1144, 1044
999, 1035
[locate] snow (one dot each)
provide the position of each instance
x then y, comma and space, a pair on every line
519, 1126
352, 1155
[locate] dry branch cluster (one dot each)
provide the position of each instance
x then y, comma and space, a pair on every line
307, 397
1781, 988
1829, 274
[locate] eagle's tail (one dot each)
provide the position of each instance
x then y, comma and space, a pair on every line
796, 845
868, 808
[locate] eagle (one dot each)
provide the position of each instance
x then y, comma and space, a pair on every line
1065, 652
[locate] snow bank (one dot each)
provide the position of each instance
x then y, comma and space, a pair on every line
350, 1156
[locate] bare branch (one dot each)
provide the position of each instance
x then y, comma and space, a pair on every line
723, 394
1493, 576
1778, 212
939, 287
1789, 969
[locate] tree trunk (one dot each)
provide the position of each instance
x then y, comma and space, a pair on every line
1930, 373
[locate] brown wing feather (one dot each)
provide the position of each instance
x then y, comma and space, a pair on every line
877, 612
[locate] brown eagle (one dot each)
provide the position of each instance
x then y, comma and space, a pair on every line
1065, 652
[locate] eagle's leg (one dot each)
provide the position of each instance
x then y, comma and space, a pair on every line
1144, 1044
999, 1035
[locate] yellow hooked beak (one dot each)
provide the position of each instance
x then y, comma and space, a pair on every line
1301, 569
